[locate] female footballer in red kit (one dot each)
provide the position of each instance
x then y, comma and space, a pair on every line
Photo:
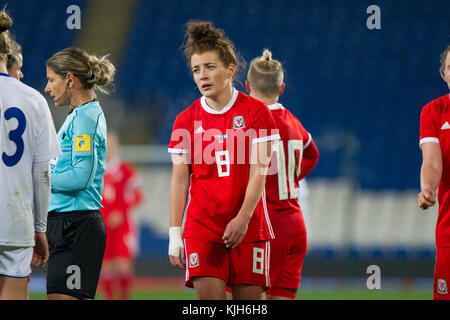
215, 181
435, 172
294, 158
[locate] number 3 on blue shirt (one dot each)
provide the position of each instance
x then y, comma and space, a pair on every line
15, 136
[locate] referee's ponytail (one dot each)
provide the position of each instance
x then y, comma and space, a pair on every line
93, 72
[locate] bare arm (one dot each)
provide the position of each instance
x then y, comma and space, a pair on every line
430, 174
178, 196
237, 227
41, 200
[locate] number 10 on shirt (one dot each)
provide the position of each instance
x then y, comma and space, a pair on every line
293, 164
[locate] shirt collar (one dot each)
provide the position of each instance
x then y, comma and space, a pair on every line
227, 107
276, 106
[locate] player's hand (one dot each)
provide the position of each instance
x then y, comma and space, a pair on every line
179, 260
426, 199
235, 231
176, 248
40, 250
115, 219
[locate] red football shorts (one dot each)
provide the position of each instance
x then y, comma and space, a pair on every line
441, 274
286, 256
246, 264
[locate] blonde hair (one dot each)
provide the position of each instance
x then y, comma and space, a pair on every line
443, 58
265, 75
5, 40
13, 56
92, 71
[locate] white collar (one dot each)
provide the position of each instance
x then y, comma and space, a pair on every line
227, 107
276, 106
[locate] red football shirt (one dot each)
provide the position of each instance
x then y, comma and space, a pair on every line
435, 127
121, 193
282, 189
218, 144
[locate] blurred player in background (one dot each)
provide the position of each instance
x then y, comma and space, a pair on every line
76, 230
121, 195
435, 172
294, 158
27, 142
15, 61
227, 228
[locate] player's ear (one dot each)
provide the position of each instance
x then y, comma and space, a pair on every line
247, 86
282, 87
232, 70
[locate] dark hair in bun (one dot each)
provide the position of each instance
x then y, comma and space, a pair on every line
202, 36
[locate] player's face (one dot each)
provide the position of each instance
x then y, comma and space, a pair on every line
210, 74
16, 69
56, 87
447, 70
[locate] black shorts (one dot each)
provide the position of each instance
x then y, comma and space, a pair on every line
76, 243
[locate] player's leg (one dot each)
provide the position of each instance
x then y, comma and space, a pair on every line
107, 272
288, 254
209, 288
124, 261
441, 274
207, 268
247, 292
250, 270
106, 279
14, 272
13, 288
229, 293
124, 270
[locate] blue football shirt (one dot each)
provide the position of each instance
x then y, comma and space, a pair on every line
77, 175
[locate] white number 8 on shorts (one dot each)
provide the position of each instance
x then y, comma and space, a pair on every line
258, 260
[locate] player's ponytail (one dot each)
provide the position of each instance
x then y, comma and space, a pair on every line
202, 36
265, 75
92, 71
443, 60
5, 41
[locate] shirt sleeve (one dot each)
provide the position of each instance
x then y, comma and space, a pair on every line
41, 194
180, 137
264, 125
429, 125
306, 136
46, 146
81, 172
